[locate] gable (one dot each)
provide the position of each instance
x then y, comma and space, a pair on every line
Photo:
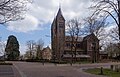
91, 37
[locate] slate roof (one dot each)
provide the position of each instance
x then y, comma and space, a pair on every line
89, 36
79, 56
68, 38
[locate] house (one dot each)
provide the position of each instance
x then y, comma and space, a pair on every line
46, 53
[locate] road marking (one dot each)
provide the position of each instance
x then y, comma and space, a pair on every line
20, 72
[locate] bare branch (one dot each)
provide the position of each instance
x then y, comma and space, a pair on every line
105, 6
12, 10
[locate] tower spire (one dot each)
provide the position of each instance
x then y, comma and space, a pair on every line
59, 12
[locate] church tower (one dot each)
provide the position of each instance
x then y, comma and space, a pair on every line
58, 35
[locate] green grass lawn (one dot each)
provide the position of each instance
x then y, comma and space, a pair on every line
106, 72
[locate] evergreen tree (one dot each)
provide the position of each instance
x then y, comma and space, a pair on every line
12, 48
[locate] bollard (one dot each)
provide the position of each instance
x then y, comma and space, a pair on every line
111, 67
101, 71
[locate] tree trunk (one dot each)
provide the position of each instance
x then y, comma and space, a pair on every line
119, 18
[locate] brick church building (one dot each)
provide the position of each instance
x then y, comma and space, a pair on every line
87, 47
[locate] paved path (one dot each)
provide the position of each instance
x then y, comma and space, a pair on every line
27, 69
8, 71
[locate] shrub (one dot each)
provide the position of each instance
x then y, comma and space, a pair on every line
3, 63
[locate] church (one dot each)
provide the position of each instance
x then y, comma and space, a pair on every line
87, 47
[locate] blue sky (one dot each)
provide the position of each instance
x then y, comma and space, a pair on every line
38, 19
23, 37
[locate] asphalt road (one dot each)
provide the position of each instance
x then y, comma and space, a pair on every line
27, 69
8, 71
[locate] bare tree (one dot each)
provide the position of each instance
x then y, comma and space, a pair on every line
2, 47
96, 26
108, 8
12, 10
114, 34
31, 48
113, 50
34, 49
27, 55
73, 30
39, 47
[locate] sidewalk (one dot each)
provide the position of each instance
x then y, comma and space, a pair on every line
8, 71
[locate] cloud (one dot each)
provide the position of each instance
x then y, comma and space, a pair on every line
30, 23
43, 11
76, 8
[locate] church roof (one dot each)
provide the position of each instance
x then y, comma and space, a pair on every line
90, 36
68, 38
59, 14
78, 56
103, 52
46, 49
80, 39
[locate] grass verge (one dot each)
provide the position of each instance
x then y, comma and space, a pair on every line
106, 72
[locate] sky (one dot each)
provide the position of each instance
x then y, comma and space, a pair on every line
38, 19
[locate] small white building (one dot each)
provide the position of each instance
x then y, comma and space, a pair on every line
47, 53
